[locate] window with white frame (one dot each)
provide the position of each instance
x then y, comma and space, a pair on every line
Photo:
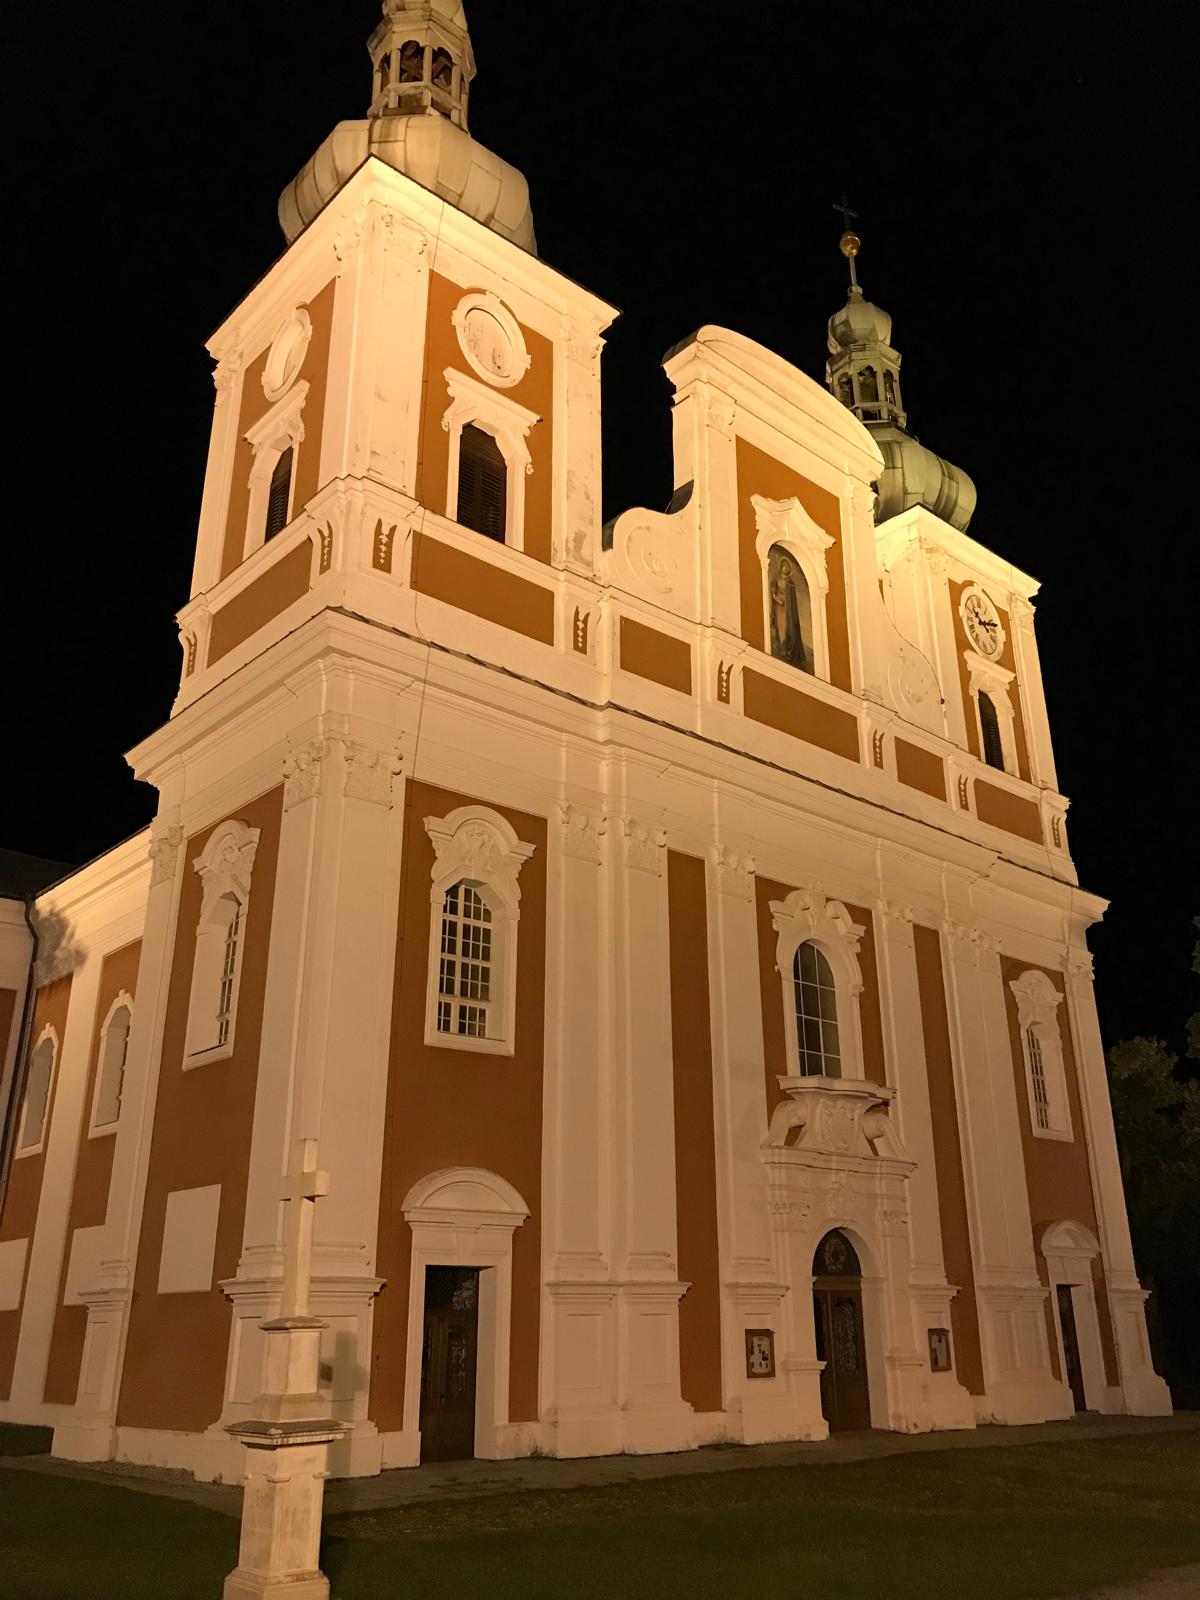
110, 1071
275, 440
475, 902
817, 958
225, 866
488, 459
991, 699
35, 1102
817, 1047
791, 550
1041, 1047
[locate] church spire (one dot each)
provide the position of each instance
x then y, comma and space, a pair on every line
421, 60
863, 372
863, 369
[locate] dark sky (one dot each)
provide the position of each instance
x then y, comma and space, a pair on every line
1023, 176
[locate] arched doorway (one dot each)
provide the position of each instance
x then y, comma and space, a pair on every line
838, 1317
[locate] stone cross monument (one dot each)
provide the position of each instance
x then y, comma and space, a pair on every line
287, 1441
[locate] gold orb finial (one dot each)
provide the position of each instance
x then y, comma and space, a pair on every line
849, 244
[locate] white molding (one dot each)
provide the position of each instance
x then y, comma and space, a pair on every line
478, 844
101, 1129
1037, 1008
806, 915
996, 682
489, 302
225, 866
286, 354
279, 429
21, 1150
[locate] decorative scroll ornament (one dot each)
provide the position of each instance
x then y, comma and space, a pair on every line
369, 773
897, 920
581, 832
164, 854
644, 846
227, 369
735, 872
807, 914
787, 523
477, 843
1080, 969
302, 770
1037, 999
226, 863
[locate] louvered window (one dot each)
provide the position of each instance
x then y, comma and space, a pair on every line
993, 745
279, 495
482, 483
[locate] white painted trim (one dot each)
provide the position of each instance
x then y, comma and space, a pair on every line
279, 429
807, 916
509, 424
787, 524
101, 1129
1037, 1008
20, 1150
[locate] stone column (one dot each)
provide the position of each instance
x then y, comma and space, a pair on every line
655, 1416
580, 1382
324, 1054
90, 1432
1144, 1392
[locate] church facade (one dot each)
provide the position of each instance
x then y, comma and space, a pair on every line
667, 930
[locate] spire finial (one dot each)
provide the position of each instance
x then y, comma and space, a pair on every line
849, 244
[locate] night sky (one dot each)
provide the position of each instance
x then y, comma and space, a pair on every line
1023, 178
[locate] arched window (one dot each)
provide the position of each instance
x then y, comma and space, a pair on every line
36, 1101
280, 494
989, 722
114, 1048
443, 69
412, 62
1037, 1074
868, 388
225, 866
889, 388
790, 605
845, 390
465, 968
816, 1014
482, 483
1041, 1043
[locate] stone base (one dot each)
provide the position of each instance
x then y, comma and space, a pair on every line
1146, 1395
85, 1441
241, 1585
1025, 1398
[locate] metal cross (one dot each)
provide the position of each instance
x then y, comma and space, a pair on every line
302, 1189
844, 208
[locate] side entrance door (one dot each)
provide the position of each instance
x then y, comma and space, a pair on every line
448, 1362
837, 1313
1070, 1339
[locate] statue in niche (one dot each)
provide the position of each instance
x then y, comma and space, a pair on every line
791, 610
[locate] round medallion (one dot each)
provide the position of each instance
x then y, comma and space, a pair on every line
982, 623
286, 355
490, 339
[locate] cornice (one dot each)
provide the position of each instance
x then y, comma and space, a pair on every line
917, 526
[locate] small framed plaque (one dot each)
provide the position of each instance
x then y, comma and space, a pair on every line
939, 1350
760, 1352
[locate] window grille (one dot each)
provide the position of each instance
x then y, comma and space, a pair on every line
228, 974
279, 495
993, 745
1037, 1071
465, 973
482, 483
816, 1014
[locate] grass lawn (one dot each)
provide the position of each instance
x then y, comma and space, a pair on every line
1013, 1523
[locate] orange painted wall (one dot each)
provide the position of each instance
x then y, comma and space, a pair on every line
535, 392
1057, 1171
448, 1108
1007, 660
695, 1148
89, 1189
657, 656
254, 405
759, 473
920, 769
948, 1159
1009, 811
445, 573
261, 601
19, 1217
774, 1037
802, 715
175, 1358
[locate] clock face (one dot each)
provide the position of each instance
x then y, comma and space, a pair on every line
982, 623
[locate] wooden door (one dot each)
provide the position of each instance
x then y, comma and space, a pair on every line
448, 1362
1070, 1339
838, 1319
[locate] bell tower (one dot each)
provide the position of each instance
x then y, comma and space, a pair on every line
421, 60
